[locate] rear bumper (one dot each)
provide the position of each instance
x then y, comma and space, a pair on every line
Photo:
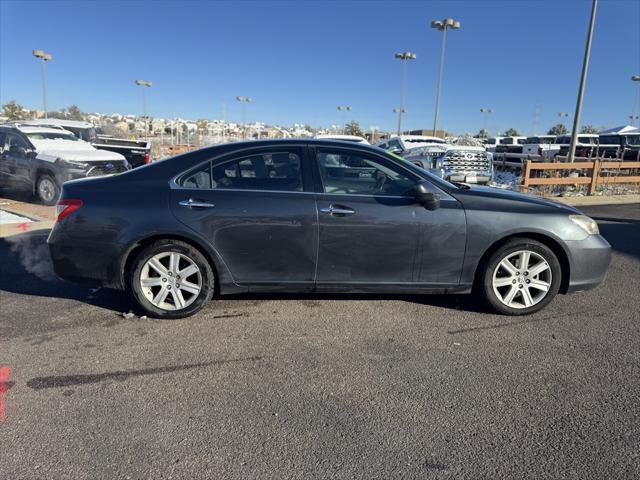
590, 259
85, 262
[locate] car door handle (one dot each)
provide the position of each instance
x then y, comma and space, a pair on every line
337, 210
191, 203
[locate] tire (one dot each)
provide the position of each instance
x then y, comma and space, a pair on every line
510, 290
47, 190
176, 289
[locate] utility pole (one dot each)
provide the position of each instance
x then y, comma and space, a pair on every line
243, 101
583, 80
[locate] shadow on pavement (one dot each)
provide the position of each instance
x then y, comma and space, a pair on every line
27, 270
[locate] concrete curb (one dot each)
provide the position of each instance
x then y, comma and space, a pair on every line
11, 229
599, 200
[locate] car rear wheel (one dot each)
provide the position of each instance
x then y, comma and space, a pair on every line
47, 189
171, 279
521, 277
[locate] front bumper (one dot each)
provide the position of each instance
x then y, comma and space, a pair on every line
468, 177
590, 259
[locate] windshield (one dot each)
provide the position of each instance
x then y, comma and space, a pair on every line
51, 136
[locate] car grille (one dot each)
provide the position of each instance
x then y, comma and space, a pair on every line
106, 168
462, 161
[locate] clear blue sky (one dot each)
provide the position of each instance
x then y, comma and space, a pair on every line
299, 60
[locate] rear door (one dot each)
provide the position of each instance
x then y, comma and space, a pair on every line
373, 233
253, 207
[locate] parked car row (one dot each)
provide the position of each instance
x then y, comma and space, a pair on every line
622, 144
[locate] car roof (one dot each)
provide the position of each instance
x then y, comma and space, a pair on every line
348, 138
59, 122
34, 129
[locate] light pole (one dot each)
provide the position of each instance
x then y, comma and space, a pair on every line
145, 84
442, 25
243, 101
636, 104
583, 80
563, 115
487, 112
343, 109
44, 57
633, 119
403, 57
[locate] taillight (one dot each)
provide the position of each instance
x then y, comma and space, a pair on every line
147, 158
65, 207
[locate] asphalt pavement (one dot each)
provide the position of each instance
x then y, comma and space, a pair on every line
354, 386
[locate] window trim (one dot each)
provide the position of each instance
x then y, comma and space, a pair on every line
319, 185
302, 150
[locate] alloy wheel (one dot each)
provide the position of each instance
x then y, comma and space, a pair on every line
47, 190
171, 281
522, 279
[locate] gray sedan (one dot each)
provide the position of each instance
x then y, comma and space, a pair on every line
316, 216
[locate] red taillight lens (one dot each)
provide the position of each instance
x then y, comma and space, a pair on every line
65, 207
147, 158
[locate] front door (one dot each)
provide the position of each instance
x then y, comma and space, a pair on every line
252, 207
373, 233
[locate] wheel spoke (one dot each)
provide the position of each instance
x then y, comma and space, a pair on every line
538, 269
188, 271
160, 296
508, 266
151, 282
190, 287
174, 260
526, 297
524, 260
157, 266
508, 298
178, 299
503, 281
539, 285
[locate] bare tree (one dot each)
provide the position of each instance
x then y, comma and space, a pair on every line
13, 111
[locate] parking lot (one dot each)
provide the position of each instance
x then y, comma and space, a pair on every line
354, 386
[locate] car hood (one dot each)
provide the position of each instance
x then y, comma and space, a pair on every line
51, 150
511, 196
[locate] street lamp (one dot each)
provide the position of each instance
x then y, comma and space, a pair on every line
636, 104
563, 115
583, 80
403, 57
487, 111
44, 57
243, 101
145, 84
442, 25
343, 109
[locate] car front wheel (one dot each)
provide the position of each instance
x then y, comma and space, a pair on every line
47, 190
171, 279
521, 277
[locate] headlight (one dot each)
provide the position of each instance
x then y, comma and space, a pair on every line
72, 163
589, 225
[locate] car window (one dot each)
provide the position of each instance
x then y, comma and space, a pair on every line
521, 141
278, 171
395, 144
14, 140
356, 173
633, 140
199, 178
609, 140
52, 136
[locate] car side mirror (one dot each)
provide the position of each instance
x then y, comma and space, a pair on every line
429, 200
396, 150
